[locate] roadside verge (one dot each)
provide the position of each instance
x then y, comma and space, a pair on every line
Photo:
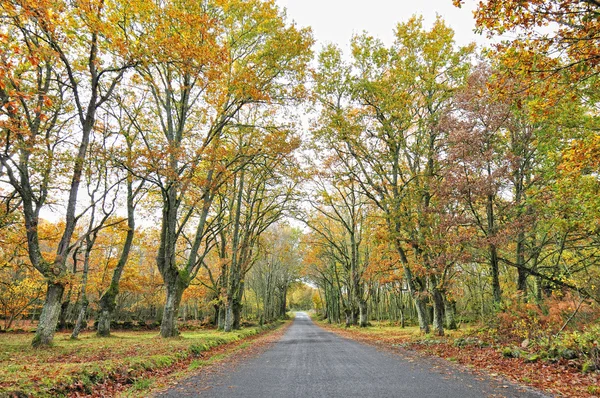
127, 362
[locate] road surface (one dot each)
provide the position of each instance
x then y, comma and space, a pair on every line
311, 362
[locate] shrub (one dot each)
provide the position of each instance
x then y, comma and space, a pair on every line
518, 320
588, 366
509, 352
197, 349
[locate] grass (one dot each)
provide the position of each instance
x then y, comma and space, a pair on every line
387, 332
79, 365
383, 330
142, 384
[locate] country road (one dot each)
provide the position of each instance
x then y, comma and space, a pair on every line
311, 362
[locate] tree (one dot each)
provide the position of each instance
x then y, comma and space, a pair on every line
477, 169
72, 58
572, 41
103, 194
124, 158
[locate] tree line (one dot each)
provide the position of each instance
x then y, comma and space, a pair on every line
169, 112
458, 184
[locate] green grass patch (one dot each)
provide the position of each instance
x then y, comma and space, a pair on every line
198, 363
142, 384
244, 345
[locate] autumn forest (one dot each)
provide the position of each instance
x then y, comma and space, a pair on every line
203, 166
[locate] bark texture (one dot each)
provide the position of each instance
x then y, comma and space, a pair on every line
49, 316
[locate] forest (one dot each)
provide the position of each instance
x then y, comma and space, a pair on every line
177, 164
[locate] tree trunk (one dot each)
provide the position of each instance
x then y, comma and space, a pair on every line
104, 319
400, 304
49, 316
228, 326
283, 307
221, 321
215, 321
521, 272
496, 291
348, 313
364, 319
86, 267
168, 326
107, 307
438, 312
64, 306
327, 304
493, 251
420, 307
539, 287
236, 309
450, 313
108, 301
422, 315
80, 318
402, 318
353, 320
522, 282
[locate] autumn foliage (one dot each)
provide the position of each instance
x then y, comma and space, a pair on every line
157, 171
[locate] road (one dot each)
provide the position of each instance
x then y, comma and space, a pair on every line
311, 362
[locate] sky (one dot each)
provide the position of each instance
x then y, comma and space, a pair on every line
335, 21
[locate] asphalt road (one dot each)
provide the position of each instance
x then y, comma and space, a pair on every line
311, 362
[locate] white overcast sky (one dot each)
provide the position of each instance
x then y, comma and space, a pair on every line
335, 21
